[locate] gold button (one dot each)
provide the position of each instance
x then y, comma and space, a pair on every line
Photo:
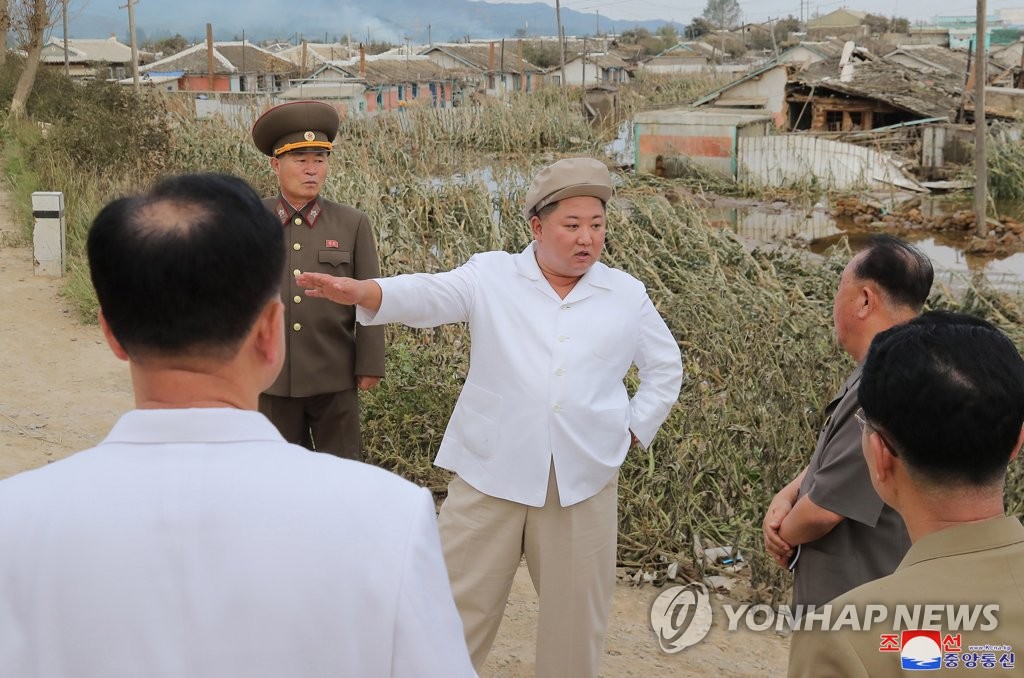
297, 326
298, 221
296, 272
296, 247
297, 299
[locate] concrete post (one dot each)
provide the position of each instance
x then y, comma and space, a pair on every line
49, 233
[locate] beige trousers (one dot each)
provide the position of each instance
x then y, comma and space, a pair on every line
570, 553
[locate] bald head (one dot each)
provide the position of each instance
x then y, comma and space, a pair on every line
185, 268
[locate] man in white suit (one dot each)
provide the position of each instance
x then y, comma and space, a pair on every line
193, 540
544, 420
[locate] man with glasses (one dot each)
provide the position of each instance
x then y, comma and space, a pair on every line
940, 461
828, 524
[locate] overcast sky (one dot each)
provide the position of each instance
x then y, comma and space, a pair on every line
682, 11
760, 10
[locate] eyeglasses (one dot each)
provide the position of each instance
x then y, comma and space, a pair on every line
864, 423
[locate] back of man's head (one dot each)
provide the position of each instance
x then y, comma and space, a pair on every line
947, 391
901, 271
185, 269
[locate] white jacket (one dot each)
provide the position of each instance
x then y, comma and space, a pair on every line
546, 374
196, 542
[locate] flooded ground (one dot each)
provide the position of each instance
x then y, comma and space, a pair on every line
817, 230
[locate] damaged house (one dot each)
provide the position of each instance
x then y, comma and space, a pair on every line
859, 91
853, 89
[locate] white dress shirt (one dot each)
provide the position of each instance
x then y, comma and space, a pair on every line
546, 374
197, 543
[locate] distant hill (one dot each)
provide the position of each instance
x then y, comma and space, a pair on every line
382, 20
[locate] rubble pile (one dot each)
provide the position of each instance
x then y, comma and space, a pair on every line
1005, 235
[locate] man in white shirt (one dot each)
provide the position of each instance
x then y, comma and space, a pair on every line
194, 541
544, 420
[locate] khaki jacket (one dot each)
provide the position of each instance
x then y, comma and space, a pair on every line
325, 349
975, 565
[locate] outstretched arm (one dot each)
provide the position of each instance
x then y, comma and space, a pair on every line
348, 291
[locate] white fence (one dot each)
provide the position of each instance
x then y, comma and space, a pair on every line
795, 159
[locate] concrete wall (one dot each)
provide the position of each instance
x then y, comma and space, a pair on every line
574, 74
770, 86
1005, 101
801, 56
201, 83
708, 140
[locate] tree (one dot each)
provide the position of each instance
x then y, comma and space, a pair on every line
668, 35
167, 46
723, 13
879, 24
542, 53
634, 36
698, 27
5, 27
784, 27
876, 23
33, 16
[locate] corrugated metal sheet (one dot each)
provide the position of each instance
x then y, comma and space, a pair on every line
786, 159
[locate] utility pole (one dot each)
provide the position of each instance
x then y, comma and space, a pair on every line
561, 41
67, 62
131, 36
209, 56
430, 40
980, 128
583, 82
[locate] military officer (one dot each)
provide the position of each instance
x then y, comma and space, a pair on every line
314, 400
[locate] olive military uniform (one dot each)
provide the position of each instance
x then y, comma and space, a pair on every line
314, 402
324, 347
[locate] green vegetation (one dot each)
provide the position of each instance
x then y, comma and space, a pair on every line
1005, 154
755, 326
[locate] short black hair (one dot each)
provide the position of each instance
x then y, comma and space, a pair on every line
948, 390
185, 268
903, 272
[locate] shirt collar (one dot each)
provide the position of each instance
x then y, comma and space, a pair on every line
961, 539
192, 425
526, 264
309, 213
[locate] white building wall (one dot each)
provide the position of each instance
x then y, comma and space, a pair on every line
792, 159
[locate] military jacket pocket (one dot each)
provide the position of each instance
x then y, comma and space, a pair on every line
335, 257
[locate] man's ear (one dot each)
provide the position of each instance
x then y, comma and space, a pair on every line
869, 299
269, 331
1020, 441
535, 227
112, 341
883, 458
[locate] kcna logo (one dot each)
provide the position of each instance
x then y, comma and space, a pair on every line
681, 617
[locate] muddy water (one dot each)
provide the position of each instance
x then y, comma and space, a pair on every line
815, 229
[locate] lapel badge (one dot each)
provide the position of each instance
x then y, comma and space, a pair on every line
333, 244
